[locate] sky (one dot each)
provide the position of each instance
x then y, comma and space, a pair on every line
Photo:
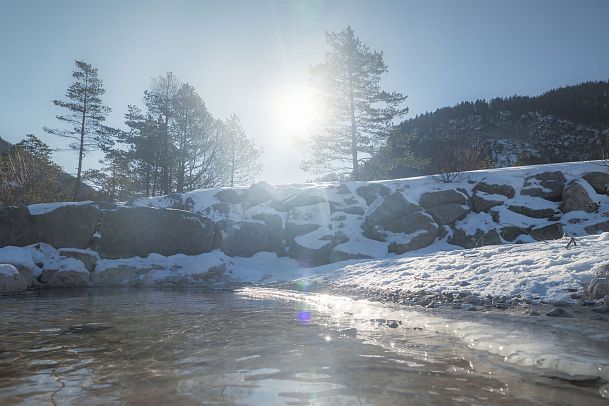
247, 57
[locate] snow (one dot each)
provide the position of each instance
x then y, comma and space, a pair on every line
314, 239
42, 208
8, 270
541, 271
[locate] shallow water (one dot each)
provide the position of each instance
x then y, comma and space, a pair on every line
190, 346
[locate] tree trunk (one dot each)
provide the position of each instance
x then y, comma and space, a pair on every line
232, 168
82, 145
353, 134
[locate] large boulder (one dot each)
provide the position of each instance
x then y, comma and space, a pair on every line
17, 227
313, 248
598, 180
259, 193
70, 226
274, 223
68, 273
371, 191
305, 198
442, 197
87, 257
464, 238
305, 219
576, 197
599, 285
510, 233
532, 211
448, 213
230, 196
11, 280
547, 185
495, 189
242, 238
602, 227
388, 209
550, 232
140, 231
412, 241
119, 274
482, 202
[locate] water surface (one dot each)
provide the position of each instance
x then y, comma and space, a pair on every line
191, 346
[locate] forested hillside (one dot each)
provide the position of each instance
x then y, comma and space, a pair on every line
565, 124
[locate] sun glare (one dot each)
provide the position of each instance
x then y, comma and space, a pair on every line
295, 111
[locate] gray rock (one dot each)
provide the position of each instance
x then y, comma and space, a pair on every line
601, 227
575, 197
510, 233
557, 312
88, 258
482, 204
392, 207
547, 185
418, 241
314, 248
405, 224
274, 223
11, 280
371, 191
495, 189
343, 189
242, 238
120, 274
230, 196
259, 193
448, 213
598, 180
65, 275
532, 212
301, 199
139, 231
442, 197
357, 210
549, 232
17, 227
222, 209
478, 239
69, 226
599, 285
338, 255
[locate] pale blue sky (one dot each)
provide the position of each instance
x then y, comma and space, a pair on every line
241, 54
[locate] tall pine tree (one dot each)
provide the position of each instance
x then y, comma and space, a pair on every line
85, 116
359, 113
242, 158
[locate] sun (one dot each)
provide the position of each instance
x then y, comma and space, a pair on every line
295, 111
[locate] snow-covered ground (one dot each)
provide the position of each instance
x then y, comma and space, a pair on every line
540, 271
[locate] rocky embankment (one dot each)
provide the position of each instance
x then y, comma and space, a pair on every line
192, 238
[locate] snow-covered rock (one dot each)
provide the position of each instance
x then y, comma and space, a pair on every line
577, 196
242, 238
11, 280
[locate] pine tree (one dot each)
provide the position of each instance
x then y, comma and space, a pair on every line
35, 147
195, 146
160, 101
359, 113
85, 117
242, 158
